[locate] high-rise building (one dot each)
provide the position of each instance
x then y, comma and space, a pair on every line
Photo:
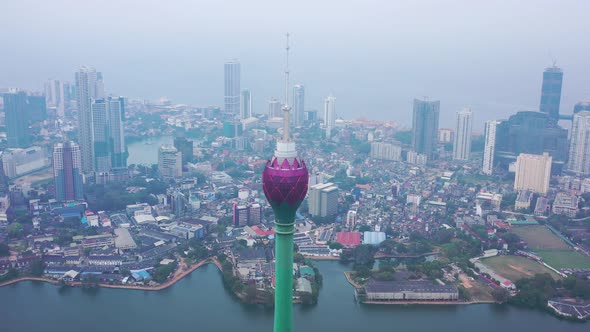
101, 159
245, 104
582, 106
247, 214
462, 144
108, 138
67, 172
329, 115
323, 200
551, 91
117, 146
386, 151
36, 108
4, 187
425, 127
232, 87
274, 108
185, 147
489, 146
55, 96
298, 104
446, 135
579, 152
86, 90
532, 133
17, 123
533, 173
169, 162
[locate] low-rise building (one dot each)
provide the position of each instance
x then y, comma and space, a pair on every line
565, 204
523, 200
407, 290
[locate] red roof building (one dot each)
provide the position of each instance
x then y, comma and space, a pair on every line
348, 239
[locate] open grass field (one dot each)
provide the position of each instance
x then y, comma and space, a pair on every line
540, 238
478, 291
516, 267
564, 259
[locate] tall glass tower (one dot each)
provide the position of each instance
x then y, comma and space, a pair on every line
284, 180
298, 104
425, 127
67, 172
462, 143
17, 124
232, 87
551, 91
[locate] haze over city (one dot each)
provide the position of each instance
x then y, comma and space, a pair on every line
374, 56
301, 166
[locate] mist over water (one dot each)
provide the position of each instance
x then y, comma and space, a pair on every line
374, 56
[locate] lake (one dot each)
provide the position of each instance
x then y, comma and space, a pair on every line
201, 303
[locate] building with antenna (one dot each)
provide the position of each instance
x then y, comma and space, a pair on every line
284, 181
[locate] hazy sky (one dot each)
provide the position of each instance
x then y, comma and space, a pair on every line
374, 56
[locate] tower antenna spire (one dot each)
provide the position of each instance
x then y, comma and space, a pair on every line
286, 107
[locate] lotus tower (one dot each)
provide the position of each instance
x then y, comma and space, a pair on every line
284, 181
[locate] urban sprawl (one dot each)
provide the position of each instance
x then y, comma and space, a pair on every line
452, 216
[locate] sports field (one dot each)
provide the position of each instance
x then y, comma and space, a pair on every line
516, 267
564, 259
553, 250
540, 238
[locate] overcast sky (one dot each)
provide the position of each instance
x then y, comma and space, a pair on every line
374, 56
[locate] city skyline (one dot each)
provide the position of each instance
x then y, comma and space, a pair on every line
404, 71
248, 169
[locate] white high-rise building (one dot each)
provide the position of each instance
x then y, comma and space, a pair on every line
232, 87
55, 96
245, 104
275, 108
298, 104
489, 148
579, 153
323, 199
351, 218
533, 172
86, 87
462, 144
169, 162
386, 151
329, 115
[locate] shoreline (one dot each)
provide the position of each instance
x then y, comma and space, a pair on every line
179, 275
322, 258
348, 275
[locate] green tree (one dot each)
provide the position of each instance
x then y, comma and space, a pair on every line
335, 245
4, 250
500, 295
37, 268
15, 230
365, 228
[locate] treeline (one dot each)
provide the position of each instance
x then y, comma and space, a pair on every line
114, 196
536, 291
161, 272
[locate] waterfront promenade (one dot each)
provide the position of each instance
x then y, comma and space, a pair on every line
180, 273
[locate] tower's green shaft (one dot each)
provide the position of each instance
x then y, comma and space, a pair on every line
284, 275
